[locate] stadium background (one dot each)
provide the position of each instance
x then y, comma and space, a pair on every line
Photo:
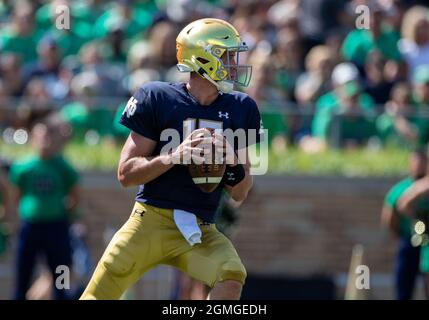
328, 174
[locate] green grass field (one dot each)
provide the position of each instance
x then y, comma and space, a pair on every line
358, 163
353, 163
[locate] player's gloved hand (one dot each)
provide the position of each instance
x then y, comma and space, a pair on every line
192, 147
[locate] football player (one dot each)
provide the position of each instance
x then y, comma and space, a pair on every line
209, 49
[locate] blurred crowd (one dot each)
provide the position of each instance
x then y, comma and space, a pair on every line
320, 79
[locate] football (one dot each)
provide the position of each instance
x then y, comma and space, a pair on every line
207, 176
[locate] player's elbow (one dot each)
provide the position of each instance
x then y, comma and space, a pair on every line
124, 177
403, 206
123, 180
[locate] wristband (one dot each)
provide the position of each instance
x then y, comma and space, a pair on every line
234, 175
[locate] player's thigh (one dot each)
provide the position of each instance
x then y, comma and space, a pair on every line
214, 260
134, 249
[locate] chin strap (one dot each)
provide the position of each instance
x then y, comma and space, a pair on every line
222, 86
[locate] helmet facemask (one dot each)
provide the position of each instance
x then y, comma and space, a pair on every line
230, 69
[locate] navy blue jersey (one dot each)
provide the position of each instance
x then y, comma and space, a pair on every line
157, 106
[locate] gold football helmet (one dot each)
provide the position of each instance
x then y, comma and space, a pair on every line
211, 48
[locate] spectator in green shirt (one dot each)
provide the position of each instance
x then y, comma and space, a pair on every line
82, 16
90, 121
81, 13
124, 15
19, 37
400, 124
401, 225
360, 42
47, 190
343, 116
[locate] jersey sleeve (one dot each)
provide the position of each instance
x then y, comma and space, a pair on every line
394, 195
255, 129
139, 115
391, 198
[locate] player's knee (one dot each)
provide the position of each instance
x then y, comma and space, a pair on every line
232, 270
119, 262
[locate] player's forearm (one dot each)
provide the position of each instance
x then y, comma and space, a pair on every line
407, 201
240, 191
390, 219
141, 170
